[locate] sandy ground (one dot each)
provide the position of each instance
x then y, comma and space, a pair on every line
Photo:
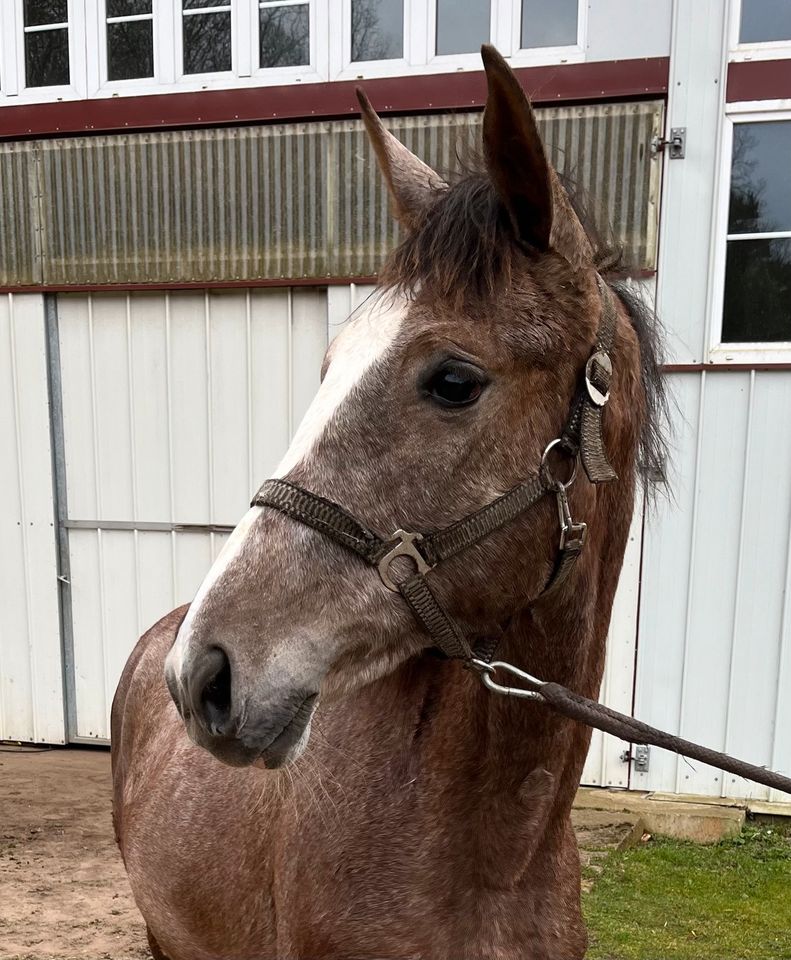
63, 890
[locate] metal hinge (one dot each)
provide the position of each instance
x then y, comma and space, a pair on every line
641, 757
676, 145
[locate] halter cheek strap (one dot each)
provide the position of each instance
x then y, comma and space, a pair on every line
581, 437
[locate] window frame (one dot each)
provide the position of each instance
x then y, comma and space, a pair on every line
720, 351
13, 86
330, 50
315, 71
420, 33
739, 52
544, 56
98, 81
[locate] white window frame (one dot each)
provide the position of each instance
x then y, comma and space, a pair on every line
13, 87
738, 52
543, 56
330, 50
342, 67
420, 33
210, 79
98, 82
777, 351
316, 70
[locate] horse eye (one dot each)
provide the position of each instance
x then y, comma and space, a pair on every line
455, 384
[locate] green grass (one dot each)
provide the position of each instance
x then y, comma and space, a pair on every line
667, 900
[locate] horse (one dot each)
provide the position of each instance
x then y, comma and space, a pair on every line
297, 775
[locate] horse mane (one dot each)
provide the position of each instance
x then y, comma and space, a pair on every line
464, 248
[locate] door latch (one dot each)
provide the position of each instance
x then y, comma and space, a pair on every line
640, 757
676, 145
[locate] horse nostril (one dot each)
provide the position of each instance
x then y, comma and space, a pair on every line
215, 698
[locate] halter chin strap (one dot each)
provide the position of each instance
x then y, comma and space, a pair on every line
581, 437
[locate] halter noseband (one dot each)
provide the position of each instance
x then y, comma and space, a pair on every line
581, 437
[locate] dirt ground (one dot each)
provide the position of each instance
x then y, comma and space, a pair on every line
63, 891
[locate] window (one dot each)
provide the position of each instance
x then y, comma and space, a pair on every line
130, 39
46, 28
284, 33
757, 301
377, 29
207, 36
462, 30
548, 24
765, 21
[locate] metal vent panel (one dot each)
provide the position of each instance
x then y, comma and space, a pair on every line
277, 202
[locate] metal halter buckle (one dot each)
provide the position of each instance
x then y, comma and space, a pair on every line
603, 360
406, 548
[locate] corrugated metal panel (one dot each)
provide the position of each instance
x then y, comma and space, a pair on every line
175, 407
714, 657
20, 220
31, 680
292, 200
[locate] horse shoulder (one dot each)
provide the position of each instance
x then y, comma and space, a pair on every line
140, 698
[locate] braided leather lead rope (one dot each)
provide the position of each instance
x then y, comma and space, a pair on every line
593, 714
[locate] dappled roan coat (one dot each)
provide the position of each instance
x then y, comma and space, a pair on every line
375, 800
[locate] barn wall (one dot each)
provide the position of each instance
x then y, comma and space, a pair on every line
175, 408
31, 677
714, 655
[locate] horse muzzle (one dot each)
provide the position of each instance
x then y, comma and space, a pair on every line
238, 727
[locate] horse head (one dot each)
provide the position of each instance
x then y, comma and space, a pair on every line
439, 395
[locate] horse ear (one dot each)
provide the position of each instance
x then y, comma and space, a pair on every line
537, 204
410, 181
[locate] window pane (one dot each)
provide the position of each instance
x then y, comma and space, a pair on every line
377, 29
549, 23
761, 177
764, 20
207, 43
130, 50
462, 27
757, 291
285, 36
47, 58
127, 8
38, 12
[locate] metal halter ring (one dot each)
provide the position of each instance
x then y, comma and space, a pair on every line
547, 473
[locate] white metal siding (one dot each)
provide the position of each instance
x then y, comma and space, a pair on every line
695, 101
621, 29
31, 679
714, 655
175, 406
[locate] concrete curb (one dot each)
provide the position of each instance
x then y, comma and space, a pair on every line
669, 816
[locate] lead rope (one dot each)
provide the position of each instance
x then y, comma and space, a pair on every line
593, 714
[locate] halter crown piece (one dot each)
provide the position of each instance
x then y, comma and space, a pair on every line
581, 438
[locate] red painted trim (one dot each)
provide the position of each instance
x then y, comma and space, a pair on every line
721, 367
759, 80
186, 285
222, 284
570, 82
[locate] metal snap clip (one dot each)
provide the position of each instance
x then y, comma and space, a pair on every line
406, 548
